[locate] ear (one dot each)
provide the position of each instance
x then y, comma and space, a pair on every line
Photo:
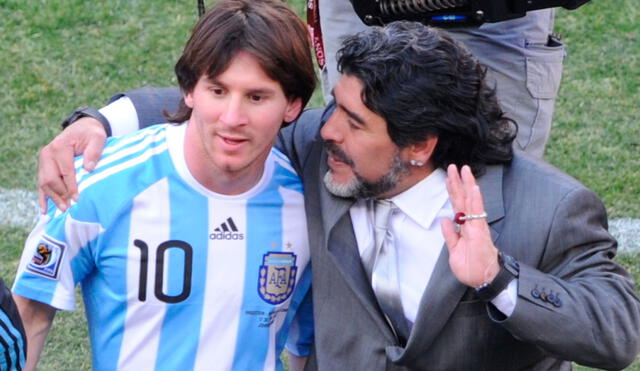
293, 110
188, 99
423, 151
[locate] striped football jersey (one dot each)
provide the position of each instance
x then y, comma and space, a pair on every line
173, 275
12, 337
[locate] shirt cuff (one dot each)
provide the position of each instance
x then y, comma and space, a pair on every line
122, 116
506, 300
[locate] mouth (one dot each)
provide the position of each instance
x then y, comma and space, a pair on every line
337, 157
232, 141
334, 162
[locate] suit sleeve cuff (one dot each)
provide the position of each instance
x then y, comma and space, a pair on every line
121, 115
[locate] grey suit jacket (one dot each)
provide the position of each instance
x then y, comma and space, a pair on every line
574, 302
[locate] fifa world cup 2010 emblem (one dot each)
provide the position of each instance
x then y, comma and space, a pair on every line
47, 258
277, 276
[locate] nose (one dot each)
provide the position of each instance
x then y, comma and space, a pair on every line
331, 129
233, 112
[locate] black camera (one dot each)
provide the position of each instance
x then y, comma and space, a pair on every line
452, 13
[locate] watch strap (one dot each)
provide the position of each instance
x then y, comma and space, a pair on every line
90, 112
509, 270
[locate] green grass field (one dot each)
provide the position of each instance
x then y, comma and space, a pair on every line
59, 54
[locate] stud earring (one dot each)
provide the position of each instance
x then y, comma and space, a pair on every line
416, 163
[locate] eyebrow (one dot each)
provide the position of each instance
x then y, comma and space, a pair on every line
259, 91
349, 113
352, 114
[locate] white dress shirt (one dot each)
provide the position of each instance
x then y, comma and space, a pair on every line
122, 116
415, 225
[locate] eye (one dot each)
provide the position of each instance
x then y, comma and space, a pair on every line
353, 125
256, 98
216, 90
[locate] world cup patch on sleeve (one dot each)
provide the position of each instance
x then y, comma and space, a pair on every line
47, 258
277, 276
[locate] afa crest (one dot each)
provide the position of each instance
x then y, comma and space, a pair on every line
47, 258
277, 276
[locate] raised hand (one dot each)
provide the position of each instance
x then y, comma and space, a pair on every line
472, 256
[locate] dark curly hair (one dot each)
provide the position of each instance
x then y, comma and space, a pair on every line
424, 83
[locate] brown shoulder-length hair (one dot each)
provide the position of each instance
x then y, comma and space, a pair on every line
267, 29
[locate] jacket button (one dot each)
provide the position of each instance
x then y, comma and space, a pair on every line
543, 296
551, 298
535, 293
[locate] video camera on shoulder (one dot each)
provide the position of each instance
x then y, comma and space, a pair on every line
452, 13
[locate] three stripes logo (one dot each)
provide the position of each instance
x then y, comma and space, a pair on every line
226, 231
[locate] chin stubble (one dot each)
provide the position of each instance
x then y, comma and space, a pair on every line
358, 187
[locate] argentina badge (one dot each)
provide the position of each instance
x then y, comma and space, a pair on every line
277, 276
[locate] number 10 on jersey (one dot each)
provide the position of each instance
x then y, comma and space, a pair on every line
158, 285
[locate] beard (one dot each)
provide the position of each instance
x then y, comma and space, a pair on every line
358, 187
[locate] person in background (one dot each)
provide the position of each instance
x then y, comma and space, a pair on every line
13, 343
523, 57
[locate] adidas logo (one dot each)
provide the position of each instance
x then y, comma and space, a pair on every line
226, 231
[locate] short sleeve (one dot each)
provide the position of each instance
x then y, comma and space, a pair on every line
55, 258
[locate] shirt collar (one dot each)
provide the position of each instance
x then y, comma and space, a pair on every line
425, 199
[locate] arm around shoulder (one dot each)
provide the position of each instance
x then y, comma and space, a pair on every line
150, 104
85, 133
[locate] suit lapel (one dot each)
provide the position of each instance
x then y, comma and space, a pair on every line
343, 248
439, 299
444, 291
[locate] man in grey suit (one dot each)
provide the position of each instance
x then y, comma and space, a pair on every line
527, 279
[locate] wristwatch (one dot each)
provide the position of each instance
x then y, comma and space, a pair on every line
90, 112
509, 270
